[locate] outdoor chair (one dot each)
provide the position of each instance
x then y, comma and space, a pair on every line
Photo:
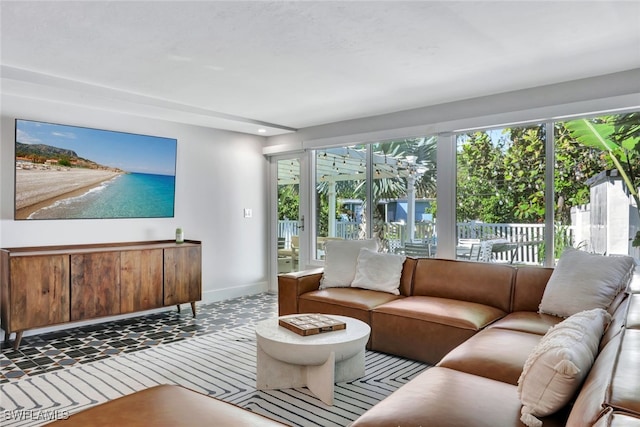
417, 250
482, 251
292, 252
468, 249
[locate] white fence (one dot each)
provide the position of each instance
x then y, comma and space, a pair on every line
286, 229
530, 236
346, 230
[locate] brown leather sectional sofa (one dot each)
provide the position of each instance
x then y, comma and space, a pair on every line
477, 323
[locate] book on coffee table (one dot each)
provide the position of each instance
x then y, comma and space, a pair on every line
311, 324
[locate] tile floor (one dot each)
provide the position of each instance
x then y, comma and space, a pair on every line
51, 351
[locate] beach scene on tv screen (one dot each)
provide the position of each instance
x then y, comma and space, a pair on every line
68, 172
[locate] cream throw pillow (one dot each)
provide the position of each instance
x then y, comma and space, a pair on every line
378, 271
340, 259
582, 281
559, 363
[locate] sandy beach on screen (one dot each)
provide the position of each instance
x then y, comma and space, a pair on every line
36, 189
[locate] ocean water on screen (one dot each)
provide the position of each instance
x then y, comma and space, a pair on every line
133, 195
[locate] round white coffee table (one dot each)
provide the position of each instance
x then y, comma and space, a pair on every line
288, 360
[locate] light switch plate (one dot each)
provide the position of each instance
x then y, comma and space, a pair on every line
248, 213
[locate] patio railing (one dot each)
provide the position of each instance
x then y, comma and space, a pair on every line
286, 229
529, 236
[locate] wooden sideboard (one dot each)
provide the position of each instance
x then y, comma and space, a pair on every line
50, 285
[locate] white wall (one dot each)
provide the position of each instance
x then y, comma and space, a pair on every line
218, 174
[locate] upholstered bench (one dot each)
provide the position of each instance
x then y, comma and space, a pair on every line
166, 406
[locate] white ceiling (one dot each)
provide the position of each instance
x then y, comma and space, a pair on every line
242, 65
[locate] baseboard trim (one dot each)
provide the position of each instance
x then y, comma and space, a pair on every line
216, 295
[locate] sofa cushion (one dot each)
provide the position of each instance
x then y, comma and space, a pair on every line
362, 299
529, 286
590, 403
445, 397
441, 323
493, 353
617, 419
624, 391
487, 284
612, 384
559, 363
633, 317
340, 261
527, 321
352, 302
618, 319
461, 314
583, 281
378, 271
634, 284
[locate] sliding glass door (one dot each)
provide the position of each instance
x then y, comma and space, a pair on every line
384, 190
290, 219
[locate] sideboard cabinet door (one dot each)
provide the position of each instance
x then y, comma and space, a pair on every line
49, 285
39, 289
95, 285
141, 280
182, 275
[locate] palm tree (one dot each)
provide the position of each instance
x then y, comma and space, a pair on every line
397, 166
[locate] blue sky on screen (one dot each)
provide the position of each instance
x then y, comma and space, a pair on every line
127, 151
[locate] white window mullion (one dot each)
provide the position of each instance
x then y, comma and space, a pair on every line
549, 194
369, 189
446, 196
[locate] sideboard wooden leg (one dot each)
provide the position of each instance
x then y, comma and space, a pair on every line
16, 343
193, 308
5, 339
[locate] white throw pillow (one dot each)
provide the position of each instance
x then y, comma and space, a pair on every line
559, 363
582, 281
378, 271
340, 260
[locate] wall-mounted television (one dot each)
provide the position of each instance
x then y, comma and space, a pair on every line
70, 172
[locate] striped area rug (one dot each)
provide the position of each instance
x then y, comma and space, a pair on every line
221, 365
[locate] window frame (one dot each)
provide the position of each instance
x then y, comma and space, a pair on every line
446, 174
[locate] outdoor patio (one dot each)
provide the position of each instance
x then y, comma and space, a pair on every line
507, 243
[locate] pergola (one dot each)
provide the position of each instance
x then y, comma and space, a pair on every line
349, 164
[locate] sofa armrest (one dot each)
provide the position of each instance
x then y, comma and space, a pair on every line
292, 285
